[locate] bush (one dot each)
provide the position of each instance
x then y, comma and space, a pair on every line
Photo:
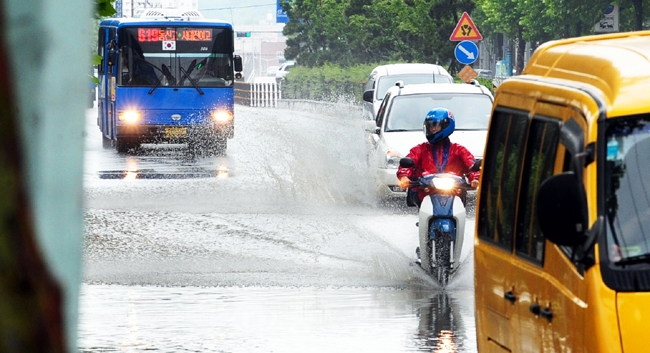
332, 83
326, 83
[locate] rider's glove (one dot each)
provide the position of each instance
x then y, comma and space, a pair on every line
474, 184
404, 182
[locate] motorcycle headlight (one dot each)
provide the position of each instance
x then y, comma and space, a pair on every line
443, 183
392, 159
221, 116
130, 116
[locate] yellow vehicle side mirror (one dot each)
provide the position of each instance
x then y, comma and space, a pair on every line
562, 209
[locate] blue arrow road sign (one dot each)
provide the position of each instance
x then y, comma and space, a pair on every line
466, 52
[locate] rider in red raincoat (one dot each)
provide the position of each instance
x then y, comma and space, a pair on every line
439, 154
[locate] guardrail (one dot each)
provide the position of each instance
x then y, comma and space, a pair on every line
258, 94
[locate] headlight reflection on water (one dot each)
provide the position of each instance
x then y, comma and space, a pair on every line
130, 175
131, 172
445, 342
222, 172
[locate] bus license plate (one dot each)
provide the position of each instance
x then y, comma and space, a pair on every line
175, 132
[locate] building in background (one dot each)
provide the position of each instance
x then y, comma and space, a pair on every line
134, 8
260, 45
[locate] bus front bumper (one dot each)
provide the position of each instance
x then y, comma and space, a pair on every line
175, 133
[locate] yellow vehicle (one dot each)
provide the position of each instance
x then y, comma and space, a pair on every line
562, 244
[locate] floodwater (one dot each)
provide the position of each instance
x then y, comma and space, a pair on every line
278, 246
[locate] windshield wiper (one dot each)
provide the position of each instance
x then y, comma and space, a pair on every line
185, 74
166, 73
156, 85
644, 258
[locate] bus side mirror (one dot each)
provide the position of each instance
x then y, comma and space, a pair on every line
112, 57
238, 63
562, 209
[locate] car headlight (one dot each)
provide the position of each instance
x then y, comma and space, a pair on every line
221, 116
443, 183
392, 159
130, 116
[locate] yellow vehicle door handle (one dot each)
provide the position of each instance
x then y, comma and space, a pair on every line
547, 314
510, 296
535, 309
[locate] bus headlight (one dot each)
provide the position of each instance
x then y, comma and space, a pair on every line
130, 116
221, 116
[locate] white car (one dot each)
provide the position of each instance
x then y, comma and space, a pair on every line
272, 70
283, 70
384, 76
398, 125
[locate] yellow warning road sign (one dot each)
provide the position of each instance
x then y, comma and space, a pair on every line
465, 30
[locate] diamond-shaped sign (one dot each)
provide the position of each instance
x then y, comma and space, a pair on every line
465, 30
467, 74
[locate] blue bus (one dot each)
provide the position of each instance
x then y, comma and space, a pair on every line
166, 79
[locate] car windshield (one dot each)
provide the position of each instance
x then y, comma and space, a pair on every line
627, 190
387, 82
471, 111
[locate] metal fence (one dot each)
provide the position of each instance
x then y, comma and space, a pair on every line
258, 94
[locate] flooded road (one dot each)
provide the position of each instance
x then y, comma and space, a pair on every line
277, 246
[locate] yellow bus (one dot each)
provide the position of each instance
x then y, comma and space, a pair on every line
562, 257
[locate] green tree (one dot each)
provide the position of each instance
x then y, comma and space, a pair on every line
350, 32
539, 21
573, 17
425, 27
505, 17
632, 15
316, 31
104, 8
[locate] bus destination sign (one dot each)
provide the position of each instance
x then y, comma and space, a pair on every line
170, 34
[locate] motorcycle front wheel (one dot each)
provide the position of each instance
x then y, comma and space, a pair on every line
440, 264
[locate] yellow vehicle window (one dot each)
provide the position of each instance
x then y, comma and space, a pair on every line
501, 174
542, 145
627, 189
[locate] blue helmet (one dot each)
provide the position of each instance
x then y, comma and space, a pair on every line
442, 117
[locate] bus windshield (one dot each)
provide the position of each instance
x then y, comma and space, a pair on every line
627, 192
176, 57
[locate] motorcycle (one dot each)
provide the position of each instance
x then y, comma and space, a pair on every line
441, 220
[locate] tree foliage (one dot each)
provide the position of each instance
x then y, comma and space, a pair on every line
357, 32
351, 32
104, 8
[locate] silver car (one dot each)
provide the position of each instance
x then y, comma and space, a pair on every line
398, 124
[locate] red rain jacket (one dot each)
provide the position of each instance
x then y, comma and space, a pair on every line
459, 161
